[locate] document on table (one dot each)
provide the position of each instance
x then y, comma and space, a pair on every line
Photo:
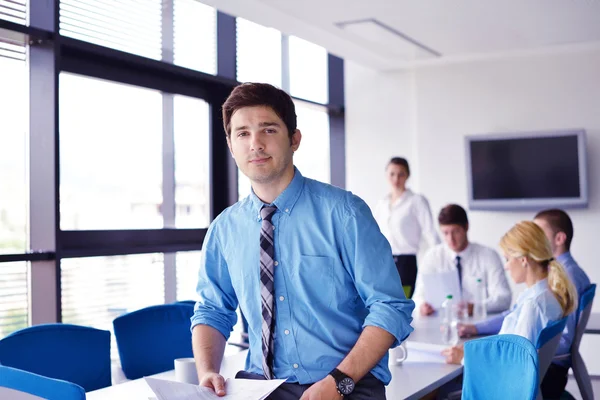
438, 285
250, 389
425, 352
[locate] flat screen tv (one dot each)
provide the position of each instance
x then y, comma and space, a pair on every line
528, 170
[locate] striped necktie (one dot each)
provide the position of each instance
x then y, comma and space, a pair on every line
267, 290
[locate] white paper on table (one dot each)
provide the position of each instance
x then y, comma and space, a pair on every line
438, 285
250, 389
425, 352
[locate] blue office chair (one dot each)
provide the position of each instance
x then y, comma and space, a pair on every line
150, 339
189, 302
577, 364
500, 367
546, 345
47, 388
72, 353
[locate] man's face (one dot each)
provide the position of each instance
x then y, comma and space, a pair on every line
455, 237
260, 144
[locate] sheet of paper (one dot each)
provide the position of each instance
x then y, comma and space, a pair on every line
236, 389
438, 285
425, 353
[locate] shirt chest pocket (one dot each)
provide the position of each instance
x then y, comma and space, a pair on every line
313, 280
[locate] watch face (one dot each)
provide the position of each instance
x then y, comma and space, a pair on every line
346, 386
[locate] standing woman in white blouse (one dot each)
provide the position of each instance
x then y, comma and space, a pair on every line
404, 218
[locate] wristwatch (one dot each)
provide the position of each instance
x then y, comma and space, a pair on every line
345, 384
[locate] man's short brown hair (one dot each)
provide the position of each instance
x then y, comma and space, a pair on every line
260, 94
453, 214
559, 221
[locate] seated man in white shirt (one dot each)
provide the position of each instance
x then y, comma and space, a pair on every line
471, 261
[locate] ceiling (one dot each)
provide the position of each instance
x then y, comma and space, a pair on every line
394, 34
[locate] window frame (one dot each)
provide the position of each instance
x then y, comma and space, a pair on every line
50, 54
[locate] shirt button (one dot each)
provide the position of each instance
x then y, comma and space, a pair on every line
281, 298
275, 263
286, 332
287, 210
295, 365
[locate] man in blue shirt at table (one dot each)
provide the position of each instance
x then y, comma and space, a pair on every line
558, 228
306, 263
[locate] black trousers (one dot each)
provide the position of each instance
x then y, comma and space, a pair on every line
368, 388
407, 268
554, 382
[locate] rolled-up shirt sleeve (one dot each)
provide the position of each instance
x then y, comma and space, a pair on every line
368, 257
218, 302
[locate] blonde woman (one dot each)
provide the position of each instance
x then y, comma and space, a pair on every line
549, 296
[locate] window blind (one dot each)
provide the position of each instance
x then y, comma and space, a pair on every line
14, 301
14, 11
133, 26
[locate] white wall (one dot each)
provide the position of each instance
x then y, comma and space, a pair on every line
379, 125
518, 94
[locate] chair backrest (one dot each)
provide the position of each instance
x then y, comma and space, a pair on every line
583, 314
547, 343
150, 339
72, 353
37, 385
500, 367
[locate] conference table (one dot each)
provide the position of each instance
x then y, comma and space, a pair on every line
421, 373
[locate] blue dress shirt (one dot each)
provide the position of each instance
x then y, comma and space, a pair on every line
334, 275
581, 282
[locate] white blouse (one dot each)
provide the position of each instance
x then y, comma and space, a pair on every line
405, 222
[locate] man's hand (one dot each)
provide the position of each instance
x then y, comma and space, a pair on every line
454, 354
467, 330
325, 389
215, 382
426, 309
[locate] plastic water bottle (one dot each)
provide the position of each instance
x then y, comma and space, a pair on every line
479, 306
449, 323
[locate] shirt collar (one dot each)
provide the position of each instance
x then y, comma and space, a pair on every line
564, 258
286, 200
407, 194
462, 254
533, 291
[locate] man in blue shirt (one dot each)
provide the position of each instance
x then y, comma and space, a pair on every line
558, 228
305, 262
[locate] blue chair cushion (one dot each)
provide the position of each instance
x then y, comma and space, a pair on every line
71, 353
48, 388
150, 339
500, 367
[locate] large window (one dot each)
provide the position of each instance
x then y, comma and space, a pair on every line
312, 158
195, 36
13, 297
14, 127
308, 70
96, 290
258, 53
110, 155
188, 264
192, 162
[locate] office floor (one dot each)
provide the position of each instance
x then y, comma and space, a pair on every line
572, 387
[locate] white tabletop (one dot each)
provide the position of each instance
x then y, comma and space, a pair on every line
422, 372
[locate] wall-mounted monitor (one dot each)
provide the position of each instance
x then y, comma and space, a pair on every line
528, 170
